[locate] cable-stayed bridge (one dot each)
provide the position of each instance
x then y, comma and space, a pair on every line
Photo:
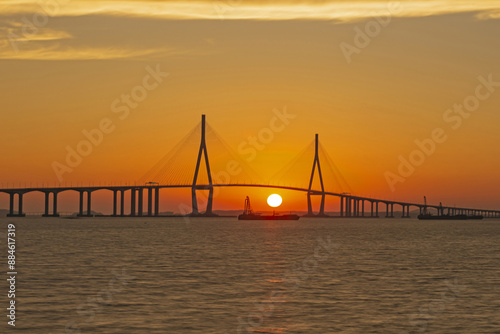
180, 165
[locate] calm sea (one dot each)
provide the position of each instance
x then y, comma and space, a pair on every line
143, 275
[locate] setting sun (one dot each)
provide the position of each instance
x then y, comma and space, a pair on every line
274, 200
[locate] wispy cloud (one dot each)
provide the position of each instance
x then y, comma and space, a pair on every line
58, 52
240, 10
42, 34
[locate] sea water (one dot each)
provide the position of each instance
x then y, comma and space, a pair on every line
220, 275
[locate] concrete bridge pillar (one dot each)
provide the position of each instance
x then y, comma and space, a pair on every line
141, 201
157, 201
150, 201
407, 214
88, 212
322, 206
310, 212
341, 206
309, 205
81, 204
122, 203
89, 203
115, 203
46, 214
11, 204
391, 213
194, 202
20, 205
54, 204
132, 202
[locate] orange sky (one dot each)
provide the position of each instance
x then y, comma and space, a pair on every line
238, 62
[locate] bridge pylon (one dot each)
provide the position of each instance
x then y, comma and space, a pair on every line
311, 192
203, 151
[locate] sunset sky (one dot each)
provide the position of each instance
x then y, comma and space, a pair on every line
371, 77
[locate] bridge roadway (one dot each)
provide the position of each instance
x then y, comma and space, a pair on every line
351, 206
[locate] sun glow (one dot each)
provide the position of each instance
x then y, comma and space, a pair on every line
274, 200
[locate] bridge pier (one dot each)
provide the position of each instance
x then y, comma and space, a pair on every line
54, 204
11, 205
150, 202
310, 212
341, 206
89, 203
157, 201
115, 203
391, 215
349, 207
20, 205
309, 205
80, 213
210, 202
46, 204
347, 200
406, 211
141, 201
132, 202
88, 212
122, 203
194, 202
